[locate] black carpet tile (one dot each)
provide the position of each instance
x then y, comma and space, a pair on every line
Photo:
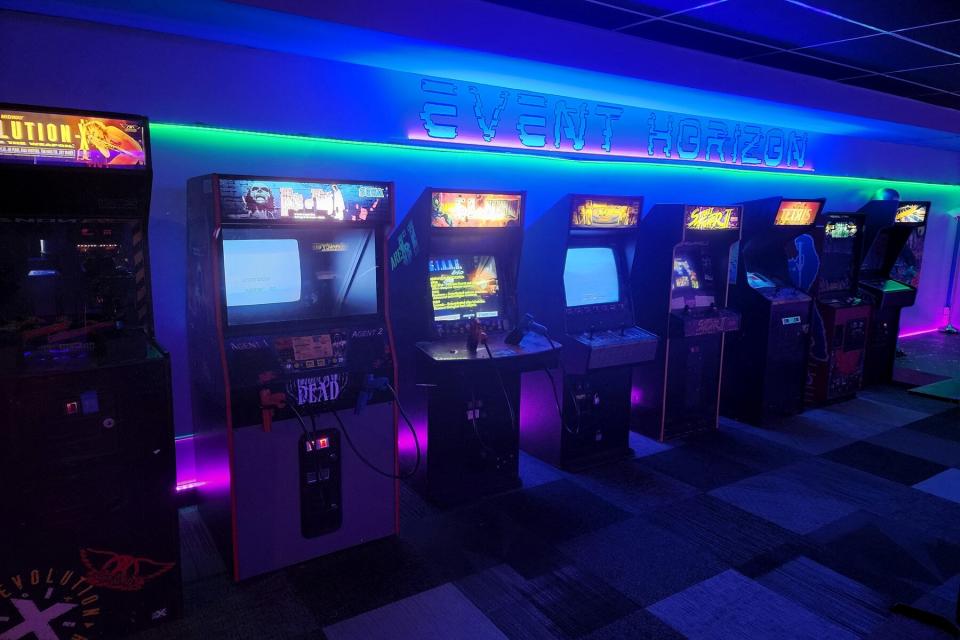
728, 532
643, 560
896, 559
701, 469
350, 582
566, 603
557, 511
884, 462
944, 425
634, 487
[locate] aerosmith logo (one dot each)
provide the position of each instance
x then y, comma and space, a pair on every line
120, 572
48, 604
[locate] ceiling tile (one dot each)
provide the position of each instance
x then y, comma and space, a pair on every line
943, 99
888, 85
664, 7
945, 36
775, 22
946, 78
682, 36
881, 53
809, 66
891, 14
594, 15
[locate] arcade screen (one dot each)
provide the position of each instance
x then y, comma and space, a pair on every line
590, 276
72, 140
450, 209
279, 275
464, 287
837, 256
295, 201
609, 212
911, 213
691, 282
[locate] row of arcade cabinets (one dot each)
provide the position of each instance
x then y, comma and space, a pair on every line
813, 331
291, 364
87, 470
576, 286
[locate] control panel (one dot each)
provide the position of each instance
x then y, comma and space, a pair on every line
615, 347
447, 329
698, 321
321, 506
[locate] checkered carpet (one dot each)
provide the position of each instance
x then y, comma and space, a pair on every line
809, 529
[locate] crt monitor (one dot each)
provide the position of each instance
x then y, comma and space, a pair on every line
590, 276
464, 287
278, 275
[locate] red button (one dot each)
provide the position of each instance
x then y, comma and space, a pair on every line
72, 408
323, 443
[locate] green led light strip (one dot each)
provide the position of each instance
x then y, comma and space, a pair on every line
214, 135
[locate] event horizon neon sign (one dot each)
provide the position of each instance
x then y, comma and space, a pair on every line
485, 116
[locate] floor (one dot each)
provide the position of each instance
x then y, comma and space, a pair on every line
810, 529
933, 353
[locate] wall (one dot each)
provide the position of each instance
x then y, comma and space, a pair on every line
177, 79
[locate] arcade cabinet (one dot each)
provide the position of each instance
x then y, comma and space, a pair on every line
291, 366
838, 331
765, 364
87, 463
889, 276
679, 282
461, 349
578, 287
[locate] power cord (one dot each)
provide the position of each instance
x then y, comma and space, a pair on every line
364, 460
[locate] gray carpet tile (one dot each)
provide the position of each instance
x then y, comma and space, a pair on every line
803, 432
731, 605
441, 613
945, 485
643, 560
567, 603
728, 532
921, 445
886, 463
945, 424
832, 595
634, 487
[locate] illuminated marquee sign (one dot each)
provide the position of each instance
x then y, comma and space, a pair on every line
605, 212
453, 209
703, 218
494, 117
294, 200
797, 213
72, 140
911, 213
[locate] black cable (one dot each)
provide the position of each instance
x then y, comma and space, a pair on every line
573, 396
363, 459
303, 425
514, 425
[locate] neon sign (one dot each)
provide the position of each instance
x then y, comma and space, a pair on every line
911, 213
605, 212
703, 218
471, 209
72, 140
797, 213
483, 116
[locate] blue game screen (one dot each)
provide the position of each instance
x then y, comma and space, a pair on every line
590, 276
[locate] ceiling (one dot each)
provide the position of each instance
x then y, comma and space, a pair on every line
908, 48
